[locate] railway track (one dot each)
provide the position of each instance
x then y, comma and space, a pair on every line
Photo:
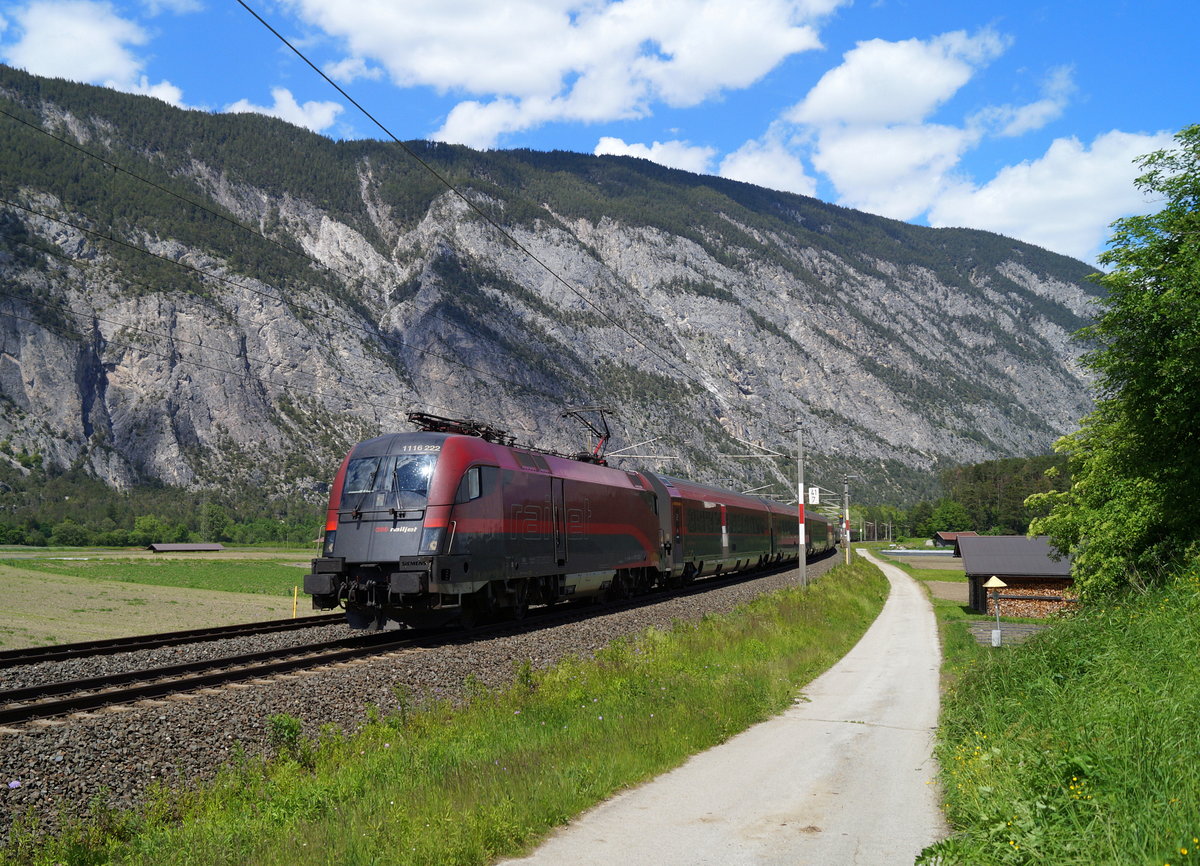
49, 700
33, 655
67, 697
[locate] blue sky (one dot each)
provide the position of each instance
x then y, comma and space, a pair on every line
1021, 117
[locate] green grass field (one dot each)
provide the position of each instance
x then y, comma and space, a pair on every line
267, 576
68, 596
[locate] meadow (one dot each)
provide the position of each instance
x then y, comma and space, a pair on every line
232, 573
74, 595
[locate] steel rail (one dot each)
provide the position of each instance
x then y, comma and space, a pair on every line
111, 646
43, 701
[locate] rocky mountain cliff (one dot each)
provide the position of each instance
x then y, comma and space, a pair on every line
226, 299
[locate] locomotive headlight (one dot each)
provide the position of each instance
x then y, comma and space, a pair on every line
329, 541
431, 540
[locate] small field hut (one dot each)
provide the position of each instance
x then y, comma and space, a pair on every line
1038, 584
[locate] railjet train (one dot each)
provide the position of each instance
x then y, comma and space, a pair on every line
458, 523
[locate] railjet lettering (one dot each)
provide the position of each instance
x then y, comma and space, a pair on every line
395, 529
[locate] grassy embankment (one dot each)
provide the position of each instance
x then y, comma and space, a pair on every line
444, 784
1080, 746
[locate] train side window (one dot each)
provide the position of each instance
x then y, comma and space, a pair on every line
471, 486
525, 460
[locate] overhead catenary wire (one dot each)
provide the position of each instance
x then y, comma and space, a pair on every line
374, 333
377, 334
181, 360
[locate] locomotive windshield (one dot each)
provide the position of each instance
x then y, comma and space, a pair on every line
388, 482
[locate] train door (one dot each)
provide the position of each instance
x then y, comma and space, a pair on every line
724, 534
677, 522
559, 521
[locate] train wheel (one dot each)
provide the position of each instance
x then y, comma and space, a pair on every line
618, 590
643, 582
548, 591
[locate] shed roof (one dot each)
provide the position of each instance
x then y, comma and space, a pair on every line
185, 548
950, 536
1010, 554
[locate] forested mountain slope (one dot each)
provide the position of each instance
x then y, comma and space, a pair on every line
142, 337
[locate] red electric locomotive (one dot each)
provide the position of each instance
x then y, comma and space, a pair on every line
459, 523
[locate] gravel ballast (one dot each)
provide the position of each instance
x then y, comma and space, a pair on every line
58, 770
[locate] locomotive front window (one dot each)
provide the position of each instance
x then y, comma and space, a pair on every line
412, 472
360, 476
384, 481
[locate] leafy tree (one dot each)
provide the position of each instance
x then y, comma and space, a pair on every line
919, 521
994, 492
950, 516
1132, 511
214, 522
70, 534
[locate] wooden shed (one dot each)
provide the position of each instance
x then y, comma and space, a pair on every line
1038, 584
947, 539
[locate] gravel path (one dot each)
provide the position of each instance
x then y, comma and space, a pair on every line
56, 771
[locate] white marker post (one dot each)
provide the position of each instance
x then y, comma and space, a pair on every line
995, 584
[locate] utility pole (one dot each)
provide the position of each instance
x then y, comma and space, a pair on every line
846, 506
803, 552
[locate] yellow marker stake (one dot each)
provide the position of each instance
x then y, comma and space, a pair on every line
295, 598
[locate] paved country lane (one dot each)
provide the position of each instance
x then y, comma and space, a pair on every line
845, 776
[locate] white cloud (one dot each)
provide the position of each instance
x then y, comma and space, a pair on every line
881, 83
311, 115
768, 163
1063, 201
1018, 120
896, 171
164, 90
479, 124
52, 32
529, 62
352, 68
179, 7
673, 154
868, 120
